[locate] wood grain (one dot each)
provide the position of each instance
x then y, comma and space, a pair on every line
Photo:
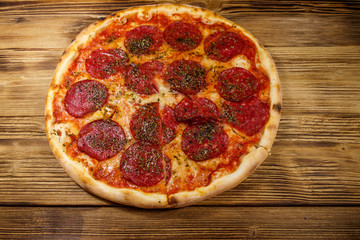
309, 188
311, 121
292, 175
187, 223
308, 75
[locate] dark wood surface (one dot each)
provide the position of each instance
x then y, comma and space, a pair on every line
309, 188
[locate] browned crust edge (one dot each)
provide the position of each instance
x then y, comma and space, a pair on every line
153, 200
249, 163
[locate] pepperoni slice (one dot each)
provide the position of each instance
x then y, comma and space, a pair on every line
169, 125
142, 164
101, 139
202, 141
168, 168
186, 76
223, 46
196, 110
140, 78
147, 125
236, 84
145, 39
168, 117
105, 63
85, 97
182, 36
248, 116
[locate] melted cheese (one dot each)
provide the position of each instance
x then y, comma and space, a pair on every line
122, 103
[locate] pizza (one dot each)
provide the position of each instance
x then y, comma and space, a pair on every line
162, 106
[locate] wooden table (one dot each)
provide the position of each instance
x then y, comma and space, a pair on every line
309, 188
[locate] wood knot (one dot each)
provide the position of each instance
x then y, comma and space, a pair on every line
253, 231
20, 20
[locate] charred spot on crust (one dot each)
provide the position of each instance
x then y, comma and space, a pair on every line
172, 200
277, 107
102, 18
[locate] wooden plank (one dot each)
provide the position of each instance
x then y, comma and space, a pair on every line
22, 127
310, 24
315, 159
306, 82
237, 6
331, 129
316, 156
297, 173
185, 223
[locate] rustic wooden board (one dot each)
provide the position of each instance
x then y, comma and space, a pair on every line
295, 174
315, 160
316, 152
187, 223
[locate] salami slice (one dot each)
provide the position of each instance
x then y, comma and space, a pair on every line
147, 125
182, 36
103, 64
223, 46
169, 125
168, 168
101, 139
186, 76
168, 117
248, 116
140, 78
145, 39
85, 97
142, 164
196, 110
202, 141
236, 84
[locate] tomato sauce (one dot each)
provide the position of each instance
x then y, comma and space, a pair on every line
105, 39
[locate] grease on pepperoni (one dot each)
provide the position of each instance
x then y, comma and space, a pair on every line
202, 141
145, 39
196, 110
101, 139
140, 78
186, 76
142, 164
236, 84
103, 64
85, 97
182, 36
223, 46
248, 116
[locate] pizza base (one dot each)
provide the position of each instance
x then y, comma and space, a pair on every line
141, 199
138, 198
248, 165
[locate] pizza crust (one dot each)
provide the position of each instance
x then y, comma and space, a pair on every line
86, 181
271, 127
138, 198
249, 163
